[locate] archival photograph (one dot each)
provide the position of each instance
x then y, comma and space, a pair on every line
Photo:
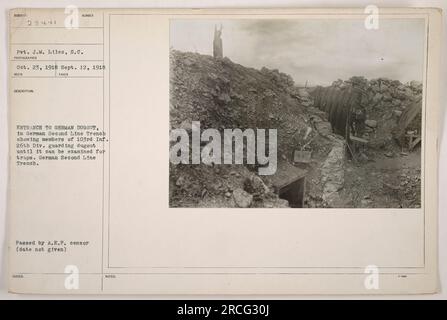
296, 113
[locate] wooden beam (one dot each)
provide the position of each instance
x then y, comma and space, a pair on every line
357, 139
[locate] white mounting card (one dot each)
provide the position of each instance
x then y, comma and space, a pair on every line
223, 151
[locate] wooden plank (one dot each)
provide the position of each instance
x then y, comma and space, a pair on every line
414, 143
285, 175
357, 139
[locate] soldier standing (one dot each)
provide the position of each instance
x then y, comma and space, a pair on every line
217, 43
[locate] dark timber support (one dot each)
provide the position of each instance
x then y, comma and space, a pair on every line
294, 193
339, 105
289, 183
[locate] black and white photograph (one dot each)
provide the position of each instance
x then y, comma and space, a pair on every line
296, 113
263, 150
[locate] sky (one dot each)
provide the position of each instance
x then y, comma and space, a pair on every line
314, 50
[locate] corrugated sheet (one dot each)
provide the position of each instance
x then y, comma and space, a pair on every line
339, 105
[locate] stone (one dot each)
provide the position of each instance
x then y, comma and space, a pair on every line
397, 113
324, 128
224, 97
377, 98
281, 203
306, 103
416, 85
408, 92
242, 198
396, 103
371, 123
387, 97
333, 174
185, 125
363, 157
188, 62
269, 93
180, 181
375, 88
258, 185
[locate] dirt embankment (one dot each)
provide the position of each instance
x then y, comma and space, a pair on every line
225, 95
222, 95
